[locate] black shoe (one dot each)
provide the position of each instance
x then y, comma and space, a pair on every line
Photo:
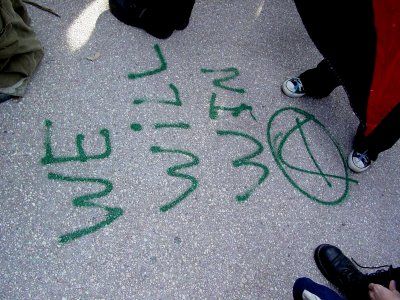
341, 272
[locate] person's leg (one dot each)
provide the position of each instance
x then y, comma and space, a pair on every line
385, 135
320, 81
306, 289
367, 148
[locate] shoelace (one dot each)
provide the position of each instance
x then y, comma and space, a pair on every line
363, 157
390, 267
297, 85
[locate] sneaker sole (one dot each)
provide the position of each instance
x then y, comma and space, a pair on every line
288, 93
352, 166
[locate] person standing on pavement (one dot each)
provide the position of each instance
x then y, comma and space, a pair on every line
360, 42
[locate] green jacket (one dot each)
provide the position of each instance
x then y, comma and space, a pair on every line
20, 50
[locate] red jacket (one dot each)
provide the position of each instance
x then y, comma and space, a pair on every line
361, 41
385, 89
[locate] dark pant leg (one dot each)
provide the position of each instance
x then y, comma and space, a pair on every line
395, 275
312, 287
385, 135
320, 81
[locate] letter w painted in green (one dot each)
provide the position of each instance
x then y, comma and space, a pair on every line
113, 213
173, 171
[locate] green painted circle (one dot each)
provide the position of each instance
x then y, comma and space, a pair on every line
283, 165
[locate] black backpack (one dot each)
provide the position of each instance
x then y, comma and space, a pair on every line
158, 17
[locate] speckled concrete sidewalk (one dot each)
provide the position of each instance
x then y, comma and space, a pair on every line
176, 169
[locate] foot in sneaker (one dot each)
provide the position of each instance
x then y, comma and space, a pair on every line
293, 87
359, 161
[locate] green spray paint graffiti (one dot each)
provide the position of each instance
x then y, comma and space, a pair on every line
136, 127
85, 200
278, 141
113, 213
179, 125
235, 111
246, 161
163, 66
219, 82
173, 171
224, 82
177, 101
81, 155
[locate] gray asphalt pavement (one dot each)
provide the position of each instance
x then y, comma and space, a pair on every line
139, 168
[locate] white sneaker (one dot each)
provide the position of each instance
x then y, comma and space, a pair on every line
358, 162
293, 87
